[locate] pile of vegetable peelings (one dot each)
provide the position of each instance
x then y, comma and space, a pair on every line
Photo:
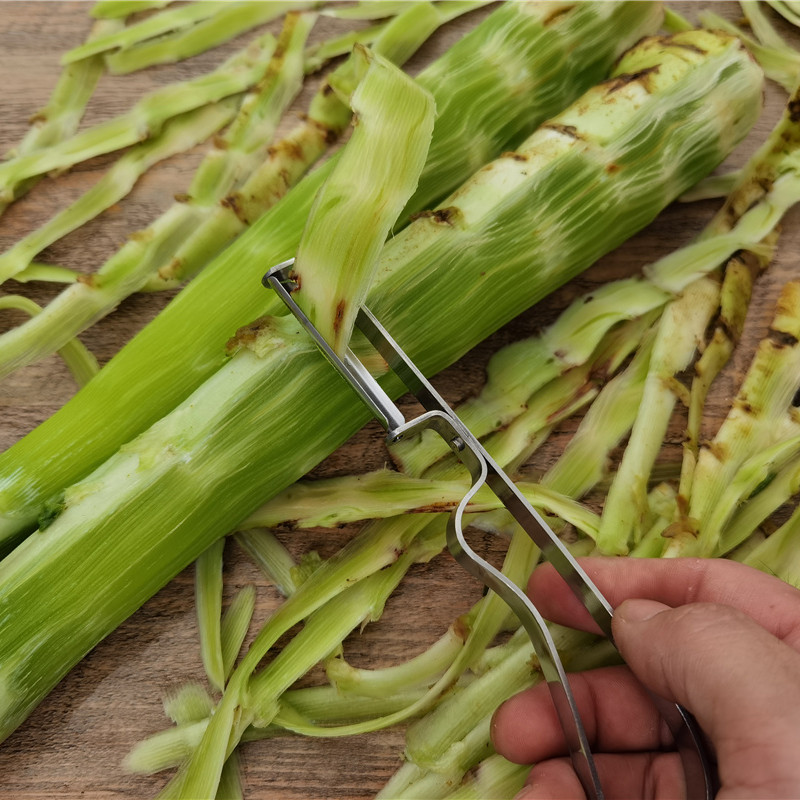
215, 578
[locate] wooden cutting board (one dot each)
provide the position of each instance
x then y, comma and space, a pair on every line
73, 745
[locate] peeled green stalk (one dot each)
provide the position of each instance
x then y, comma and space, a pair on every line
230, 20
516, 56
178, 135
144, 120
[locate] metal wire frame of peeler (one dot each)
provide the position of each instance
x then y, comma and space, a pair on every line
439, 417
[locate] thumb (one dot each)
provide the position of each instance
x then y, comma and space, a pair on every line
738, 680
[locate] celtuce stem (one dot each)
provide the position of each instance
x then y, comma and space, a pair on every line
546, 57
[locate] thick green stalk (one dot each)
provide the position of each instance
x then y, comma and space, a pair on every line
144, 120
551, 60
154, 25
178, 135
213, 480
372, 181
230, 20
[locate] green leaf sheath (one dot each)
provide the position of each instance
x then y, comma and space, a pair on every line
372, 181
512, 54
275, 408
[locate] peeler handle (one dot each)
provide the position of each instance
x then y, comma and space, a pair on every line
483, 470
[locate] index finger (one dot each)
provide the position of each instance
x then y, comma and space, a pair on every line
772, 603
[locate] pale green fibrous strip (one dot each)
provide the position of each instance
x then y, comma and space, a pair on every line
381, 494
780, 62
761, 415
229, 21
763, 483
113, 9
274, 560
162, 22
60, 118
515, 68
788, 9
371, 183
53, 273
158, 246
179, 134
779, 554
495, 777
319, 54
144, 120
81, 363
367, 9
712, 187
208, 602
235, 624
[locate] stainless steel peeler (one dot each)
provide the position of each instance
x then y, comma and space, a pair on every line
700, 774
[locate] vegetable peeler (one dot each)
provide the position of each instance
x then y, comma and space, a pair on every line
699, 772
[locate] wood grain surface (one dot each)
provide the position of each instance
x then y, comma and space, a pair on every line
73, 745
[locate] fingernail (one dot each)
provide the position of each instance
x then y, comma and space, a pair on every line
638, 610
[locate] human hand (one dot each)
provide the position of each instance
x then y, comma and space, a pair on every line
720, 638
